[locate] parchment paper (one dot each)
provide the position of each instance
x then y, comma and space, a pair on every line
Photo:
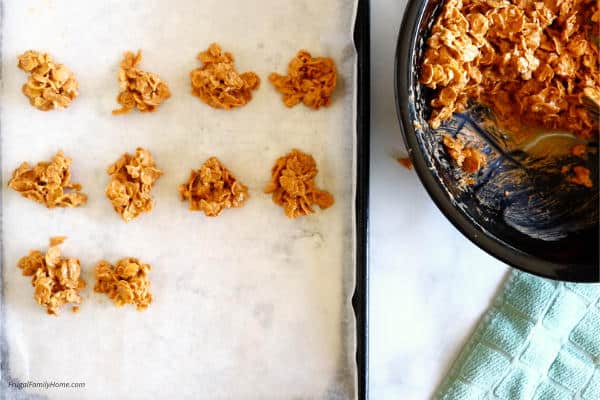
249, 305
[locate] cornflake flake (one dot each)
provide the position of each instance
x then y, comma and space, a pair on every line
293, 185
127, 282
578, 150
48, 183
405, 162
467, 157
139, 89
56, 280
131, 181
212, 188
310, 80
50, 85
579, 175
217, 82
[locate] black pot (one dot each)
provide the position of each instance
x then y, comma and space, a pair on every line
543, 227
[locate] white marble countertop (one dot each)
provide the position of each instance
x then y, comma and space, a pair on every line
429, 284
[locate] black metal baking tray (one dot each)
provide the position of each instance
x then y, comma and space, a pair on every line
360, 296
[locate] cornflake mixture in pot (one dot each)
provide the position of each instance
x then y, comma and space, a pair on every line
530, 61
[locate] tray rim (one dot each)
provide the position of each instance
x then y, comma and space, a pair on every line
360, 298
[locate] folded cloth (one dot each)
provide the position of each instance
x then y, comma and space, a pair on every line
540, 340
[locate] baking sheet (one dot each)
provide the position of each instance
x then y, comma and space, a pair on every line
249, 305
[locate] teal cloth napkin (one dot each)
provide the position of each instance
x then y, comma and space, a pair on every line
540, 340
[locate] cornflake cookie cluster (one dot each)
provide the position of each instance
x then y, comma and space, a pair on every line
310, 80
530, 61
125, 283
139, 89
217, 82
293, 185
48, 183
212, 188
56, 280
50, 85
131, 181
